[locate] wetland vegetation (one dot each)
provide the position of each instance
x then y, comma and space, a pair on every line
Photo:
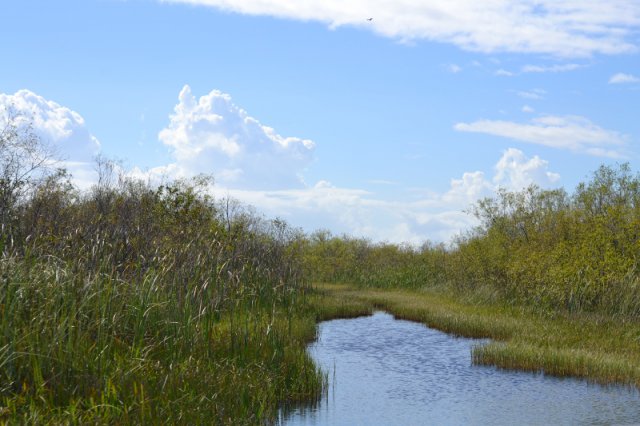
552, 277
135, 303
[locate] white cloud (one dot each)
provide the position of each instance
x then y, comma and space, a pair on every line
550, 68
56, 125
528, 69
569, 28
534, 94
453, 68
527, 109
514, 171
470, 187
574, 133
59, 127
504, 73
433, 216
621, 78
213, 135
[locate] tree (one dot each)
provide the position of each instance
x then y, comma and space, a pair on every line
25, 160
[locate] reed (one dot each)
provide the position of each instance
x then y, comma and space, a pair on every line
134, 304
131, 303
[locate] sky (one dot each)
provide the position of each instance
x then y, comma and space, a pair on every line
384, 120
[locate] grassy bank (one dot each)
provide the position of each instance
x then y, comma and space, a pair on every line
133, 303
138, 304
552, 277
593, 347
109, 352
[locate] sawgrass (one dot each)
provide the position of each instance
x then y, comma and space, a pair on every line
139, 305
107, 351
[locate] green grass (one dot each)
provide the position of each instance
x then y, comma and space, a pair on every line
107, 351
130, 304
601, 350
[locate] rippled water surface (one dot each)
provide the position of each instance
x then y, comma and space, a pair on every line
384, 371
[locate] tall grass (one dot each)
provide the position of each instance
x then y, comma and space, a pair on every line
135, 304
132, 303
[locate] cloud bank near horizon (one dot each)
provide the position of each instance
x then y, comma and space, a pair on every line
211, 133
432, 216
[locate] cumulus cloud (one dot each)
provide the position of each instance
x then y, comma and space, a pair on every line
515, 171
574, 133
621, 78
213, 135
527, 109
470, 187
59, 127
566, 28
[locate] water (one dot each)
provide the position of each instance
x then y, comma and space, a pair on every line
384, 371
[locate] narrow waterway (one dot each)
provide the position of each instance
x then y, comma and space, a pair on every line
384, 371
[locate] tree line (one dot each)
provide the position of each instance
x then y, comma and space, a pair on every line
549, 249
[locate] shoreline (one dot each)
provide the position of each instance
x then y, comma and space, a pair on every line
603, 351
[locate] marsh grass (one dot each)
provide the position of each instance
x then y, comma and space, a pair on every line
108, 352
140, 305
336, 301
588, 346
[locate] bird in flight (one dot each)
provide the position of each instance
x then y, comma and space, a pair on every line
369, 19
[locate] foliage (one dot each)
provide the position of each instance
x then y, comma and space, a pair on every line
139, 304
344, 259
133, 303
562, 252
24, 161
544, 248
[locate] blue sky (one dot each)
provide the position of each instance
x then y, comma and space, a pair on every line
386, 129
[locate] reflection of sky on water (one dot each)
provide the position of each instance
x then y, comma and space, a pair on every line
384, 371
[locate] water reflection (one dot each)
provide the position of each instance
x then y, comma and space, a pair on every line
384, 371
